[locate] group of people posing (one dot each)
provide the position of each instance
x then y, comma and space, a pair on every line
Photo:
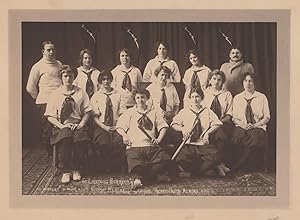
221, 127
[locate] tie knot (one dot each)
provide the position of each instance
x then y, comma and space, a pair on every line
162, 62
88, 73
163, 89
249, 101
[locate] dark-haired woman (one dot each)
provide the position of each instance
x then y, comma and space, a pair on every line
250, 115
219, 100
161, 59
126, 77
197, 123
196, 76
87, 77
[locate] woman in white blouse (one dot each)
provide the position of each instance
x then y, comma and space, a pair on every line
161, 59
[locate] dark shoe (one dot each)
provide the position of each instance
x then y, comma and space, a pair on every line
163, 179
210, 173
184, 174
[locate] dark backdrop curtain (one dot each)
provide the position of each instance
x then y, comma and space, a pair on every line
257, 40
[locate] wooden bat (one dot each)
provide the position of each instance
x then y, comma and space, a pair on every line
148, 136
186, 139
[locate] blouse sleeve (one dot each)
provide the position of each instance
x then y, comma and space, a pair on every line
266, 110
236, 108
160, 121
178, 119
122, 105
176, 97
124, 121
85, 106
176, 73
147, 72
228, 110
139, 76
213, 119
94, 105
185, 78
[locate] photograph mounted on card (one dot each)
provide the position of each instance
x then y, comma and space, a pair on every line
131, 108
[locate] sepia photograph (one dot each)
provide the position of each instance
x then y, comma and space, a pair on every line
146, 108
149, 108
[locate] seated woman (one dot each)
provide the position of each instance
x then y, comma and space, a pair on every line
162, 59
107, 108
250, 115
87, 74
138, 127
197, 123
126, 77
195, 76
219, 100
164, 94
68, 110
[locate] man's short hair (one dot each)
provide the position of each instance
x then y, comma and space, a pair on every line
45, 43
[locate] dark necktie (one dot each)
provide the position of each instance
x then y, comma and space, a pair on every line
216, 106
198, 129
249, 113
89, 87
145, 121
126, 84
162, 62
195, 83
68, 107
163, 99
108, 116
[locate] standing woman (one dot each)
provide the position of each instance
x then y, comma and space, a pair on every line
219, 100
195, 76
68, 111
161, 59
250, 115
126, 77
87, 78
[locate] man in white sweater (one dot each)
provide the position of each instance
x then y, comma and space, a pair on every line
43, 80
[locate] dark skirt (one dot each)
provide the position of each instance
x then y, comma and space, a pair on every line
221, 138
172, 137
101, 137
143, 156
255, 137
191, 157
46, 127
76, 135
248, 148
